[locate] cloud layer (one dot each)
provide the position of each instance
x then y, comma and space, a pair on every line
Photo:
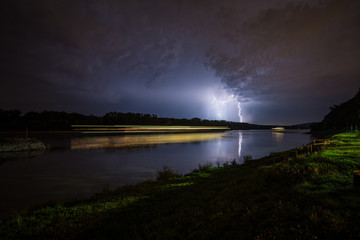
285, 61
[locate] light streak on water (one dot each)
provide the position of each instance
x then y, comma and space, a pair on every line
127, 141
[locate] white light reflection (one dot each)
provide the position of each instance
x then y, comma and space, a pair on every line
240, 142
227, 148
278, 136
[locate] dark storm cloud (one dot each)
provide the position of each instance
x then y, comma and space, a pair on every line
150, 56
290, 50
98, 49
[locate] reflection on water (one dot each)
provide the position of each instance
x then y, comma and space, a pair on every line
240, 141
140, 140
278, 136
226, 148
67, 174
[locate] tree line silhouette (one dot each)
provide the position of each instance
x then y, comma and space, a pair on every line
62, 121
343, 117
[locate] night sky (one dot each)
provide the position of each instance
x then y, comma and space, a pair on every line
283, 62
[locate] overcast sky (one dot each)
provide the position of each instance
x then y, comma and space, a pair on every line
282, 62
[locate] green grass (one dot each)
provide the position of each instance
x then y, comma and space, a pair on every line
282, 196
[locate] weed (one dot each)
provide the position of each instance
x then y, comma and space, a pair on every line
105, 187
166, 173
247, 158
229, 164
206, 166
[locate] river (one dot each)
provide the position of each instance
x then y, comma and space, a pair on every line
83, 165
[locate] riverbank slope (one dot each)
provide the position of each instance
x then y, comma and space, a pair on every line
297, 194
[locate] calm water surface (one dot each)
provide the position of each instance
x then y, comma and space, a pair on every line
87, 163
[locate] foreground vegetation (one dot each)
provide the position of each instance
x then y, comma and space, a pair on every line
297, 194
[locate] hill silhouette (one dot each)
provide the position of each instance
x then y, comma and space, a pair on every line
345, 116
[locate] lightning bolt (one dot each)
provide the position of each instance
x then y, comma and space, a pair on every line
218, 103
239, 112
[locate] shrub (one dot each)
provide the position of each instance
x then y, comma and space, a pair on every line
233, 163
166, 173
206, 166
247, 158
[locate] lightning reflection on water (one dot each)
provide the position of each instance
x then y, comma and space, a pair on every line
240, 142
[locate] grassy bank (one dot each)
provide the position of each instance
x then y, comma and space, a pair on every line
297, 194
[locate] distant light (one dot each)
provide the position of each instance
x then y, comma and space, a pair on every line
278, 128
